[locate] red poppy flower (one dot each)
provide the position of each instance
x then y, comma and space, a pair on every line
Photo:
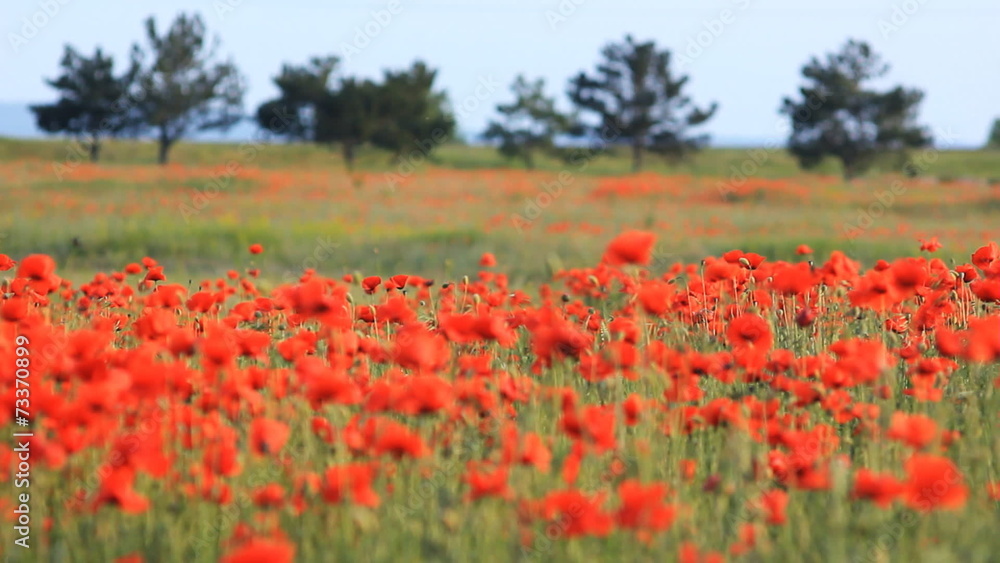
399, 281
580, 515
688, 553
794, 280
116, 490
262, 550
370, 284
37, 267
880, 489
488, 260
986, 255
751, 260
630, 247
485, 483
419, 349
930, 245
390, 437
268, 436
772, 504
221, 459
750, 333
533, 452
256, 248
916, 430
654, 296
934, 482
987, 290
643, 507
269, 496
351, 482
749, 330
155, 274
14, 309
632, 408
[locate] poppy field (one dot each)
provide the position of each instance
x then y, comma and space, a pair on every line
296, 363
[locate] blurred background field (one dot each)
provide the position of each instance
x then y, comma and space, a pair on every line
438, 217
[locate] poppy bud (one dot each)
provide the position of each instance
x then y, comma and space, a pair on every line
805, 317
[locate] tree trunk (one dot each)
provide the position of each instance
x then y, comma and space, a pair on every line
95, 149
348, 151
636, 156
165, 143
850, 169
529, 159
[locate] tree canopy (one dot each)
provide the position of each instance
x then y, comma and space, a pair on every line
839, 115
529, 124
92, 101
634, 94
993, 142
400, 114
183, 88
175, 85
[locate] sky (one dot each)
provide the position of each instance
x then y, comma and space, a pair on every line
744, 54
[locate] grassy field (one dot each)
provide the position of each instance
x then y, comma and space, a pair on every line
769, 161
493, 364
300, 202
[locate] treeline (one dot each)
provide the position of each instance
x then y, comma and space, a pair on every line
175, 85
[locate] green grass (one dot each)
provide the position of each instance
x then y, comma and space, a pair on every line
300, 203
443, 220
427, 516
767, 162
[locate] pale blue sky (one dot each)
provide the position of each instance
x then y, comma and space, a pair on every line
949, 49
